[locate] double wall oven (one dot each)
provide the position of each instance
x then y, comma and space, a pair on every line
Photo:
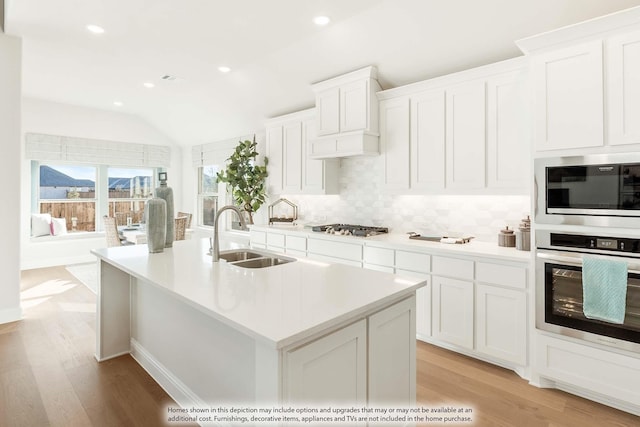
586, 206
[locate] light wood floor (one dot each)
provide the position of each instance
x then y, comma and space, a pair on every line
48, 376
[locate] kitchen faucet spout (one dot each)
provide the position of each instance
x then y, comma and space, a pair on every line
216, 241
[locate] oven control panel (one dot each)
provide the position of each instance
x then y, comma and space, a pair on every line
595, 242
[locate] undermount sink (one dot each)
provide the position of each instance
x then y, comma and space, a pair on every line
262, 262
250, 259
233, 256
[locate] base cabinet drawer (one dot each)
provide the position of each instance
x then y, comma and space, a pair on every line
453, 317
413, 261
378, 256
347, 251
452, 267
603, 372
504, 275
275, 240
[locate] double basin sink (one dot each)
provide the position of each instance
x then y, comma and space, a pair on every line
253, 259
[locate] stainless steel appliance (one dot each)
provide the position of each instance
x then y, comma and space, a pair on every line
350, 230
594, 190
559, 287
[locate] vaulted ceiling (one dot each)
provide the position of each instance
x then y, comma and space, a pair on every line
274, 50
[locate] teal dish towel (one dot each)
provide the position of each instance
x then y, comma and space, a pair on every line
604, 289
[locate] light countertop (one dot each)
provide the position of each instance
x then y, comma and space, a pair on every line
280, 305
402, 242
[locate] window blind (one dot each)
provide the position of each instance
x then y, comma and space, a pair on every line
217, 153
95, 151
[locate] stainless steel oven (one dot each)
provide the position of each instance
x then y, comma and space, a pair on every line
559, 287
595, 190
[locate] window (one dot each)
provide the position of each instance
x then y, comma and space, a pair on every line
69, 192
129, 188
82, 194
208, 193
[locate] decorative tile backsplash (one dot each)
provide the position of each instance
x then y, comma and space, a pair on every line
361, 201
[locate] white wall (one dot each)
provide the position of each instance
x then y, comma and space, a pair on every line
40, 116
10, 98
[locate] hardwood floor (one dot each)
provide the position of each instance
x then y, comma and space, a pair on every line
49, 377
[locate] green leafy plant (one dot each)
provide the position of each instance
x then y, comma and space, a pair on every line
246, 178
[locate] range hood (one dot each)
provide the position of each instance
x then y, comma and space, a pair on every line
347, 116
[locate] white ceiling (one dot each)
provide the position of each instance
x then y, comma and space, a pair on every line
273, 48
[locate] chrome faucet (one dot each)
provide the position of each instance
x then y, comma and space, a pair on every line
216, 242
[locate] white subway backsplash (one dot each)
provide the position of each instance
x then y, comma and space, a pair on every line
361, 201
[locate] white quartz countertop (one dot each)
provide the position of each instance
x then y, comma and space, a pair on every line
280, 305
402, 241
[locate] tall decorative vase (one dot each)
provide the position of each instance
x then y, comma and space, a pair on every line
166, 193
155, 213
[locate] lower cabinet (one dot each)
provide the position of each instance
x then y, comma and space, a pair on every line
453, 314
371, 361
392, 355
332, 369
501, 323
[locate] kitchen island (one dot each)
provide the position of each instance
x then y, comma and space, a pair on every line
301, 332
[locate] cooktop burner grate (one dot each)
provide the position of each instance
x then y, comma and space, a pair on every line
350, 230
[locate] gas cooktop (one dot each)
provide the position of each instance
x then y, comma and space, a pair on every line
350, 230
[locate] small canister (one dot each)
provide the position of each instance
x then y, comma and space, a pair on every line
506, 238
523, 235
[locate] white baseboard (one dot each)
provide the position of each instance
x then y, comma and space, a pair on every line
172, 385
8, 315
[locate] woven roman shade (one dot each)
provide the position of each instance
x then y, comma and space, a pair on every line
94, 151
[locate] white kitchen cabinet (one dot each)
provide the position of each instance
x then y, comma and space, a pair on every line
342, 355
394, 143
453, 311
466, 136
349, 253
568, 97
292, 157
623, 88
258, 239
427, 160
371, 361
291, 171
275, 241
328, 110
501, 323
508, 149
276, 162
347, 115
392, 355
423, 303
603, 374
354, 106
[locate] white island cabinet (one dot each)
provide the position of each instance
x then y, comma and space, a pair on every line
302, 332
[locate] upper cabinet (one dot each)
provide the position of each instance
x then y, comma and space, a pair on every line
291, 171
623, 83
457, 134
465, 140
586, 84
568, 96
347, 115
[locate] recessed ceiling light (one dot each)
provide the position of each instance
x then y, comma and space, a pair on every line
118, 103
148, 85
224, 69
95, 29
321, 20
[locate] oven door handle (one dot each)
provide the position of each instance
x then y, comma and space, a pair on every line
575, 259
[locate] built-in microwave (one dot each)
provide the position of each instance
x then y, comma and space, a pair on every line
595, 190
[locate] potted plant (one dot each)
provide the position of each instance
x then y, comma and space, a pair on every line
246, 179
